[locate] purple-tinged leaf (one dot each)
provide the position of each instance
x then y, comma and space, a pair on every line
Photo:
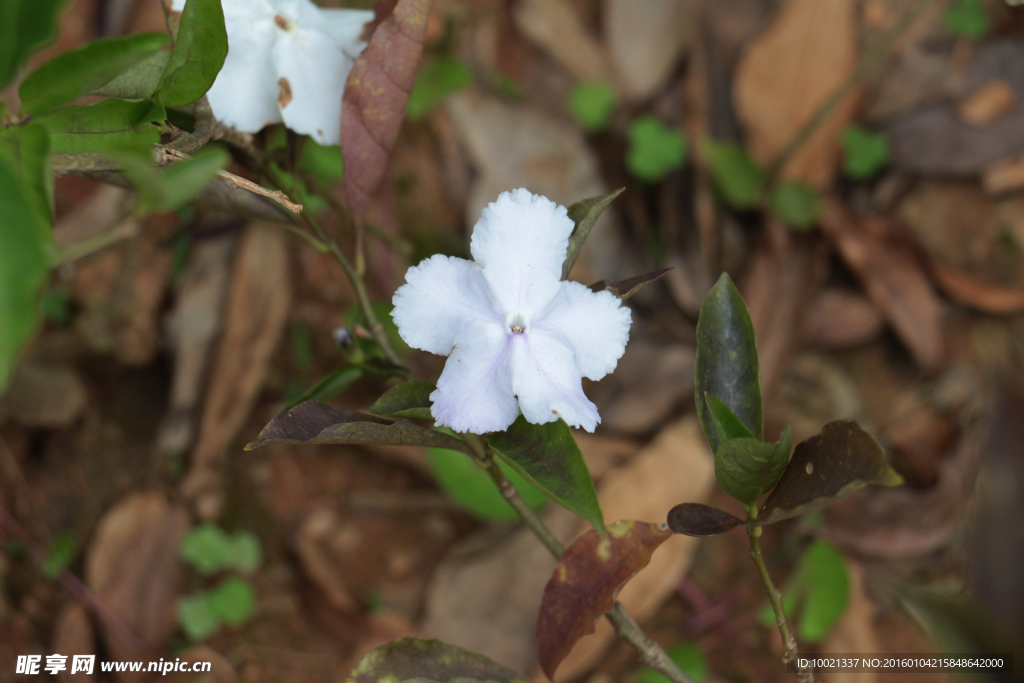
694, 519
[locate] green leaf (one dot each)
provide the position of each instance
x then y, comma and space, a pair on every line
687, 657
103, 126
82, 70
196, 616
60, 554
695, 519
630, 286
726, 365
747, 468
25, 26
796, 204
198, 54
842, 459
592, 105
233, 601
864, 152
654, 149
727, 425
968, 18
167, 189
314, 422
330, 386
243, 552
548, 457
472, 488
204, 548
140, 81
323, 162
819, 590
411, 399
435, 81
25, 186
411, 659
738, 178
584, 214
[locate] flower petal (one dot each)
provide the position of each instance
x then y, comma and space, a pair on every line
595, 325
244, 96
547, 382
443, 293
521, 240
474, 393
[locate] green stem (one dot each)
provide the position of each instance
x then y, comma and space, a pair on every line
625, 626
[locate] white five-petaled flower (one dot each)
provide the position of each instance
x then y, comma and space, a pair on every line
288, 60
517, 336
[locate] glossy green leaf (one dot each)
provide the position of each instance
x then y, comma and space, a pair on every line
864, 152
330, 385
748, 468
314, 422
727, 425
654, 148
592, 105
687, 657
84, 69
28, 243
140, 81
584, 214
411, 399
548, 457
233, 601
25, 26
796, 204
198, 54
435, 81
726, 365
413, 659
168, 188
197, 617
738, 178
839, 461
968, 18
60, 554
103, 126
472, 488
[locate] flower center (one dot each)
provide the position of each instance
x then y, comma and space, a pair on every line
284, 22
517, 322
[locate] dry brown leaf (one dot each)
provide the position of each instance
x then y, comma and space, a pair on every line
42, 394
855, 631
1004, 176
785, 76
72, 635
646, 39
257, 309
555, 26
987, 103
677, 467
320, 530
132, 566
840, 319
95, 216
893, 280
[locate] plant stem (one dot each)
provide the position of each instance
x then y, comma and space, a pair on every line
625, 626
775, 597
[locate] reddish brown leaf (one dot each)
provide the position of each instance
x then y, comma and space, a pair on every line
695, 519
586, 581
374, 102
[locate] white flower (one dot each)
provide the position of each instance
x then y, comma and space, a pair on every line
288, 60
519, 338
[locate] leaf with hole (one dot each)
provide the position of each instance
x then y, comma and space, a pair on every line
198, 54
414, 659
77, 72
726, 365
824, 468
695, 519
547, 456
411, 399
585, 214
585, 582
630, 286
313, 422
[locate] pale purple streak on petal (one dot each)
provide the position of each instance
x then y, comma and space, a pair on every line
521, 240
474, 393
595, 325
443, 293
548, 382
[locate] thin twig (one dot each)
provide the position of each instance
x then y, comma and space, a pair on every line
651, 654
166, 156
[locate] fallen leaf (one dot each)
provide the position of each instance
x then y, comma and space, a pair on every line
893, 280
667, 29
373, 106
555, 26
987, 103
840, 319
1005, 175
43, 395
787, 74
257, 309
585, 582
72, 635
413, 659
